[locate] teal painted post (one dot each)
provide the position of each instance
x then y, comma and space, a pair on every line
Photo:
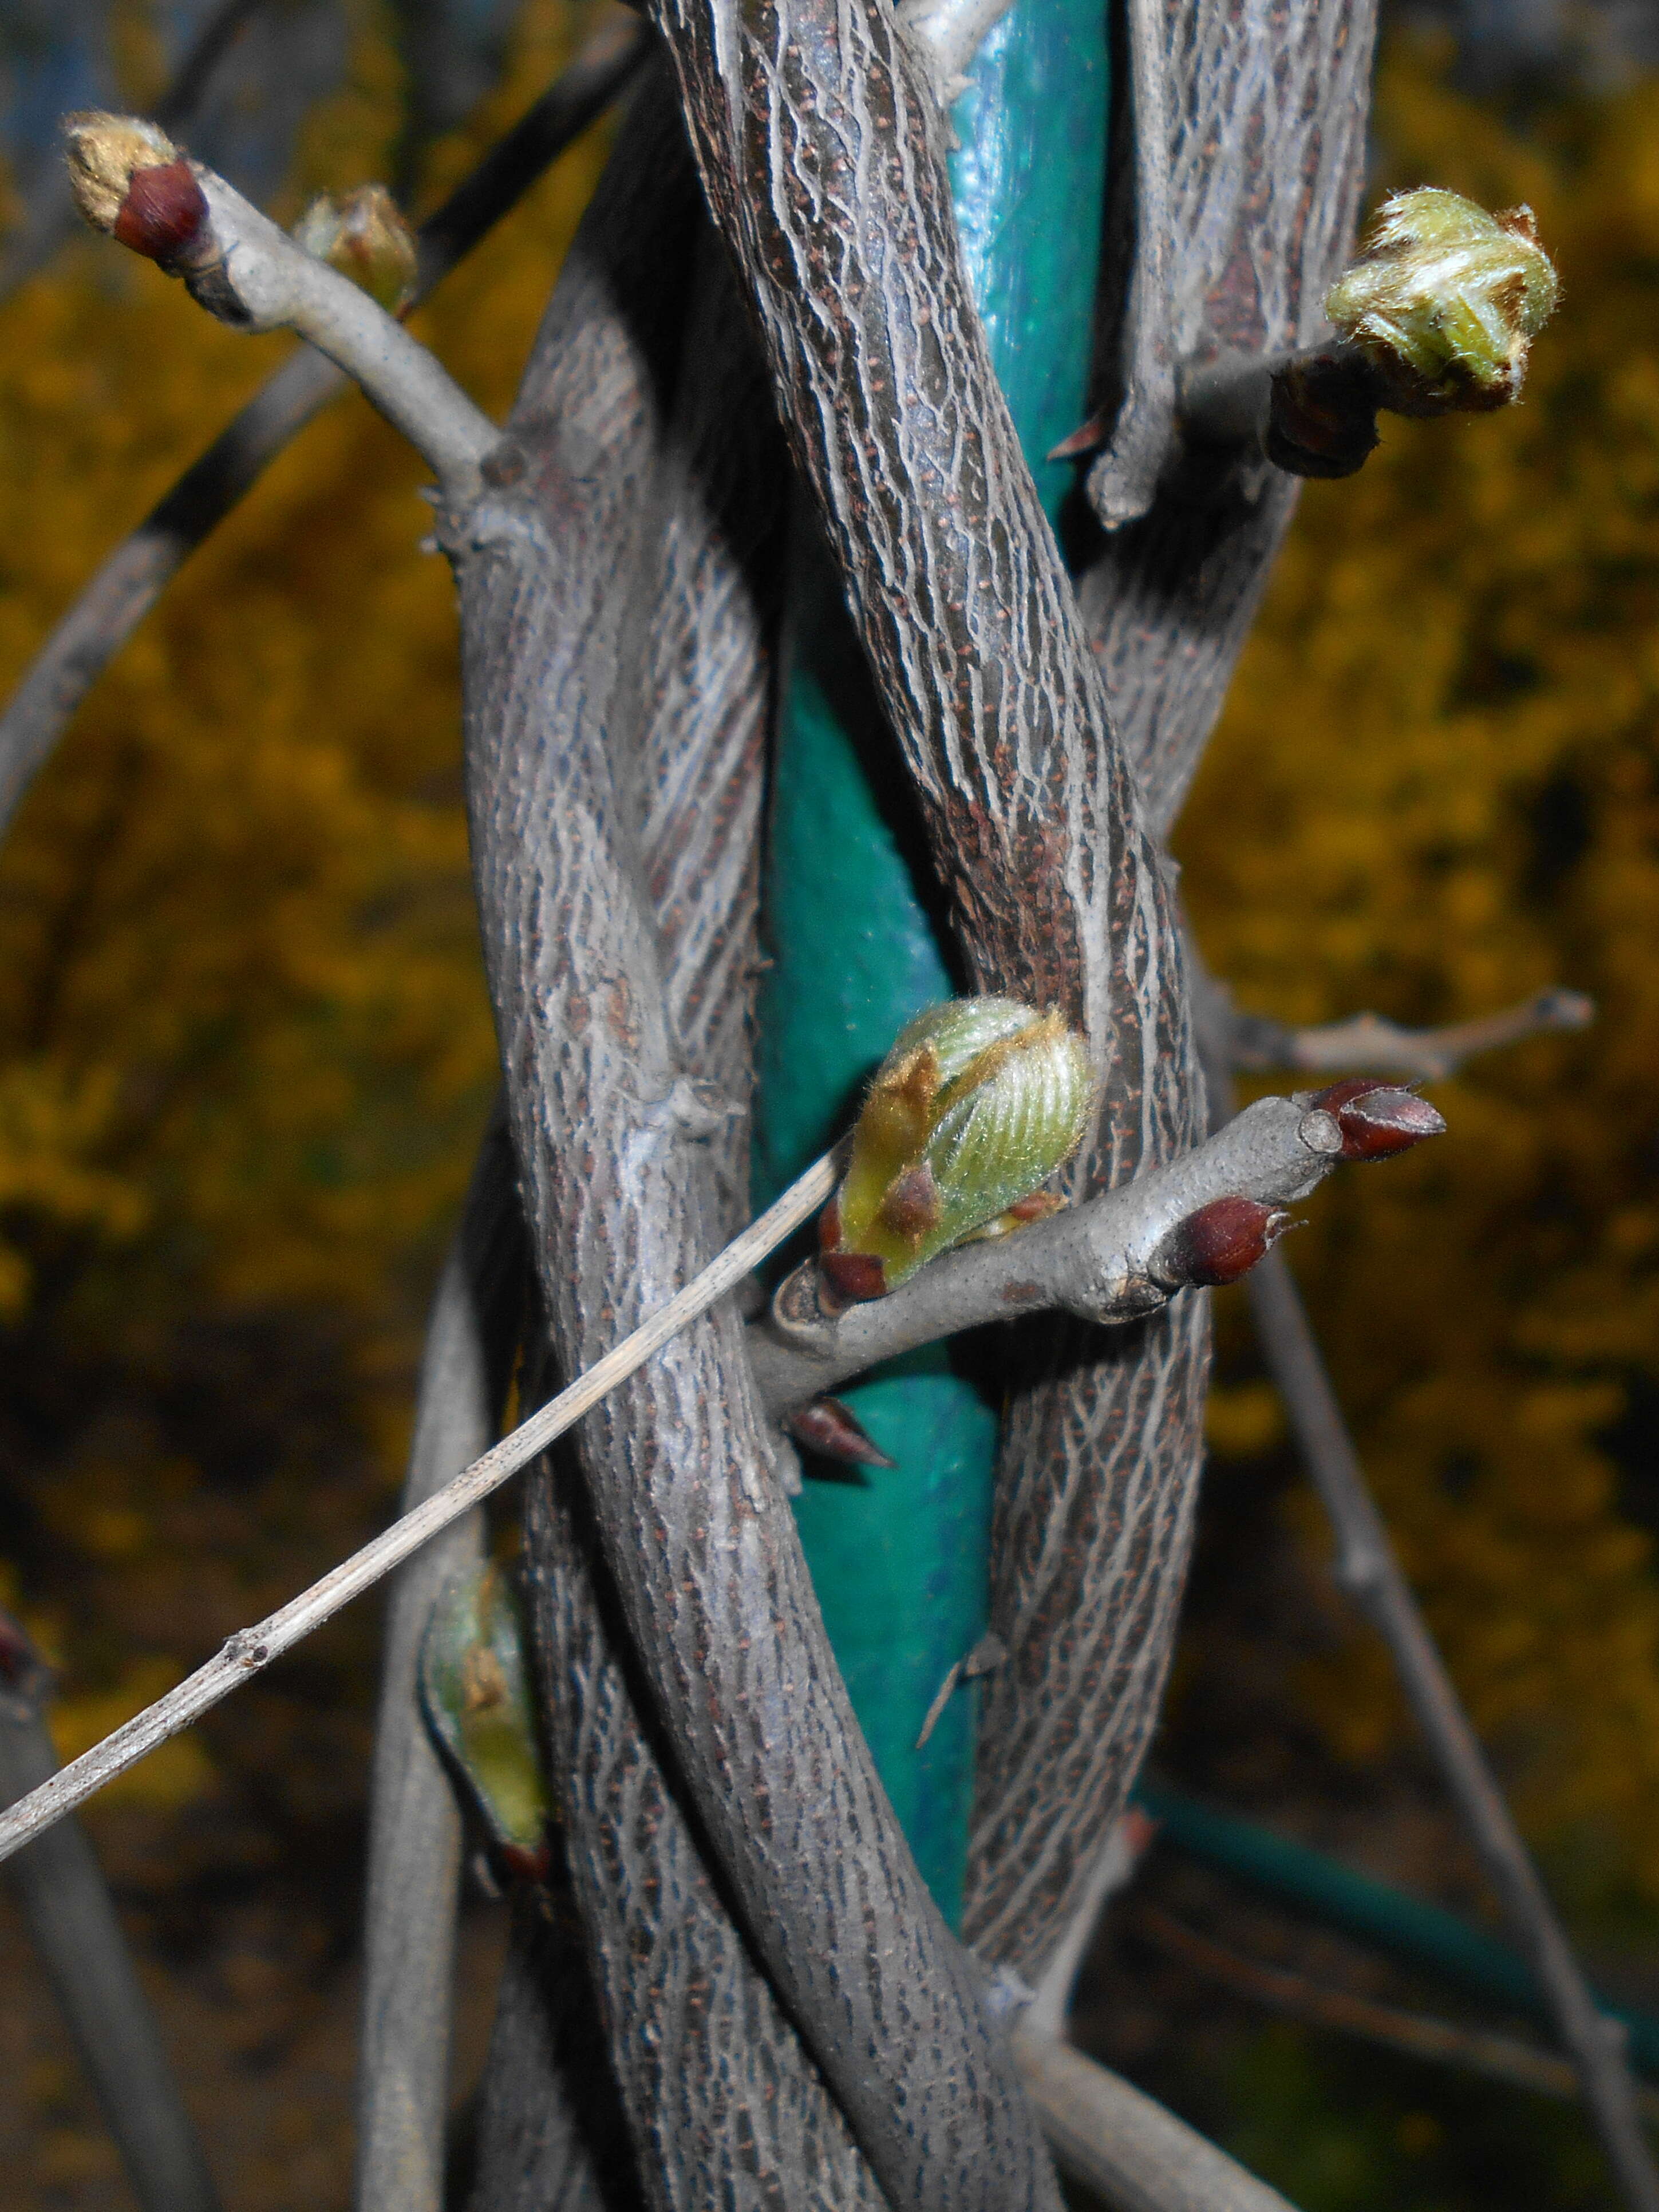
899, 1559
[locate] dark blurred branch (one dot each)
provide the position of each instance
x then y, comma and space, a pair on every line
1366, 1567
132, 577
1502, 2058
414, 1822
71, 1920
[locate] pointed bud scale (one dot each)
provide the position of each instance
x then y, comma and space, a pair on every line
475, 1693
364, 236
1376, 1118
827, 1427
1218, 1243
1445, 300
978, 1102
131, 182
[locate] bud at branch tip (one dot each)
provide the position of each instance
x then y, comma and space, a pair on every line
132, 183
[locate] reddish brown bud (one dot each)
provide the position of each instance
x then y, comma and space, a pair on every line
524, 1865
131, 181
1088, 438
853, 1279
1378, 1118
163, 210
834, 1430
1218, 1243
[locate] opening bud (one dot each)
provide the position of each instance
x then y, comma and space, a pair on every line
1378, 1118
1218, 1243
978, 1102
363, 235
474, 1690
131, 182
1445, 300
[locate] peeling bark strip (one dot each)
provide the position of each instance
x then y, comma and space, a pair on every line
727, 1652
819, 145
1248, 129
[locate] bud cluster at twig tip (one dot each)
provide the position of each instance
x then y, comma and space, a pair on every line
475, 1690
1445, 300
1378, 1118
977, 1105
132, 183
363, 235
1218, 1243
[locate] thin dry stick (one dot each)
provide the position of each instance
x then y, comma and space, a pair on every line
245, 1653
1442, 2042
1366, 1566
132, 578
1126, 2150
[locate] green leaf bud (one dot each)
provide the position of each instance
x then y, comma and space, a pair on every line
476, 1694
365, 237
1445, 300
977, 1103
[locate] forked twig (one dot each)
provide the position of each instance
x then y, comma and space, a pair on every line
252, 1650
132, 577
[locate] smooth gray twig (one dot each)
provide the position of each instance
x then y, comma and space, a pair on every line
1133, 2154
1101, 1260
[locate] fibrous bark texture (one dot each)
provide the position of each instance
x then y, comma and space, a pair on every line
1247, 127
714, 1777
1246, 140
821, 150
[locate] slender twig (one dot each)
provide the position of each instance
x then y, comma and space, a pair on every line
1443, 2042
1133, 2154
1113, 1259
1366, 1567
249, 273
414, 1821
252, 1650
133, 576
1369, 1044
72, 1921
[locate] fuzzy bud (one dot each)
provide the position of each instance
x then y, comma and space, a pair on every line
1218, 1243
365, 237
1376, 1118
476, 1694
978, 1102
131, 182
1445, 300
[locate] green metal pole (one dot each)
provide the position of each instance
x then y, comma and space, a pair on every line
853, 928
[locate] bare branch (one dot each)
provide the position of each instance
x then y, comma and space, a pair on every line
1133, 2154
414, 1822
1440, 2042
1367, 1044
130, 181
1115, 1259
252, 1650
1366, 1566
133, 576
72, 1921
